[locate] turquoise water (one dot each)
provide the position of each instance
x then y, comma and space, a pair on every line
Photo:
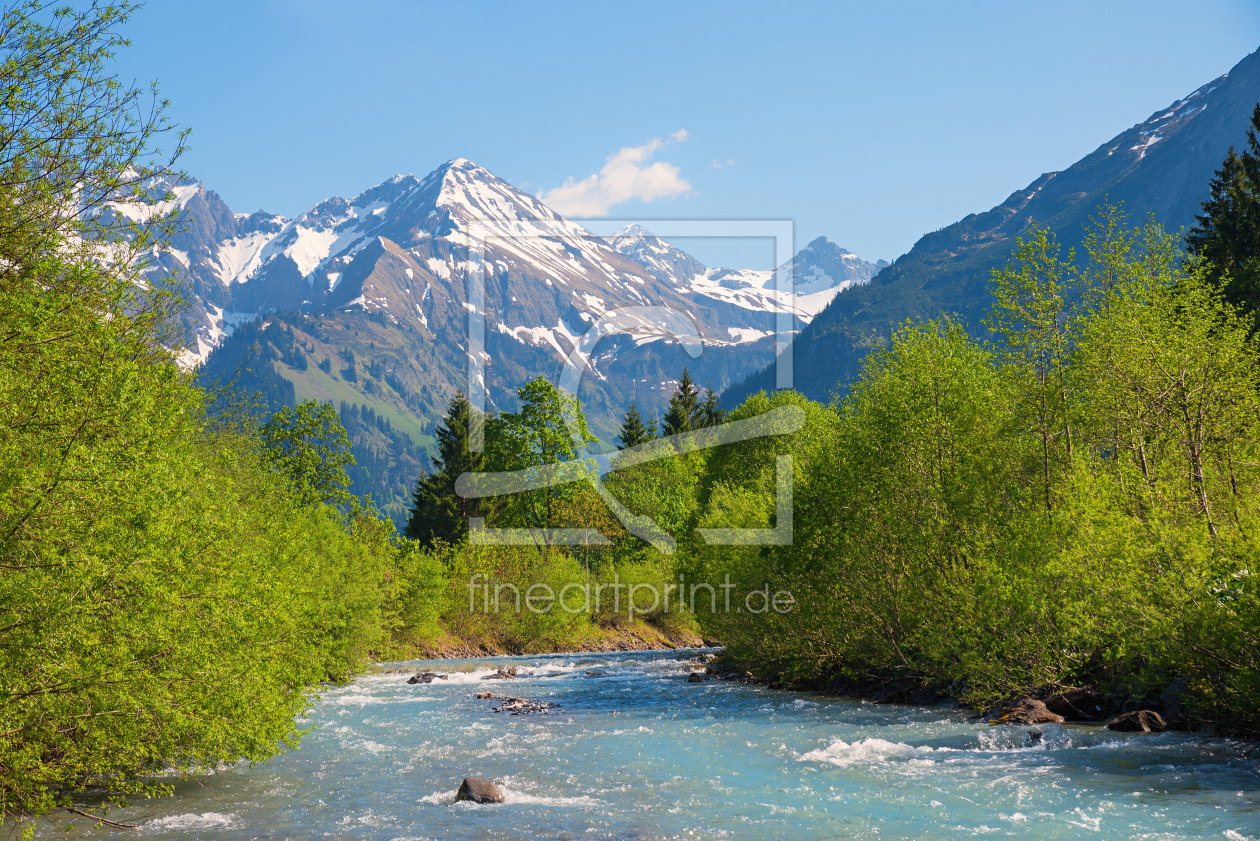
639, 753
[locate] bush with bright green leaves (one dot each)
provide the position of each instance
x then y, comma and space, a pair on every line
172, 587
1076, 504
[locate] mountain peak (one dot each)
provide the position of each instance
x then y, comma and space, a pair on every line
660, 259
633, 230
822, 244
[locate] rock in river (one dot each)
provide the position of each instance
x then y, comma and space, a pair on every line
478, 790
426, 677
1139, 721
517, 706
502, 674
1024, 711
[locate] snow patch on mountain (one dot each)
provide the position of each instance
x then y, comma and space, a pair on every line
182, 195
237, 258
818, 273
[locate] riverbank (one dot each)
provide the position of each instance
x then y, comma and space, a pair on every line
1086, 705
1071, 704
637, 636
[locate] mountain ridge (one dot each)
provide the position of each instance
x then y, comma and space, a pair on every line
1161, 166
365, 302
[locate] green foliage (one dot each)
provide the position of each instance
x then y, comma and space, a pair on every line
1078, 506
168, 598
685, 411
633, 430
711, 413
1227, 234
72, 135
419, 594
546, 431
490, 586
437, 512
1032, 313
309, 446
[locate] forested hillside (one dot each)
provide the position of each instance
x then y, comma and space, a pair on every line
1161, 166
290, 357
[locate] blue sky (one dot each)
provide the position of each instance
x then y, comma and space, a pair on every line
868, 123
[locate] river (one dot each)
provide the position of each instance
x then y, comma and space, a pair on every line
637, 752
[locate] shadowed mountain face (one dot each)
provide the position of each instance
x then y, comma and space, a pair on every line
1161, 166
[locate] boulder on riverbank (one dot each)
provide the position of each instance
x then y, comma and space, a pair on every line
1023, 711
1082, 704
478, 790
1138, 721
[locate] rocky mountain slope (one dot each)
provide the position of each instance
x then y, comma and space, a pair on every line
365, 302
819, 272
1159, 166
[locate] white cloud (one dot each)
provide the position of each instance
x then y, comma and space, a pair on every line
627, 174
718, 163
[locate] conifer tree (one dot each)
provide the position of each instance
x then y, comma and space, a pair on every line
349, 373
1227, 235
633, 430
437, 512
711, 412
684, 412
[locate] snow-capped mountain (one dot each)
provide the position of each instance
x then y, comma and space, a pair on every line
661, 260
819, 272
382, 278
211, 250
240, 266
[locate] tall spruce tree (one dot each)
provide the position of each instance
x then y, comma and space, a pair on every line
1227, 235
633, 430
437, 512
711, 413
685, 411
